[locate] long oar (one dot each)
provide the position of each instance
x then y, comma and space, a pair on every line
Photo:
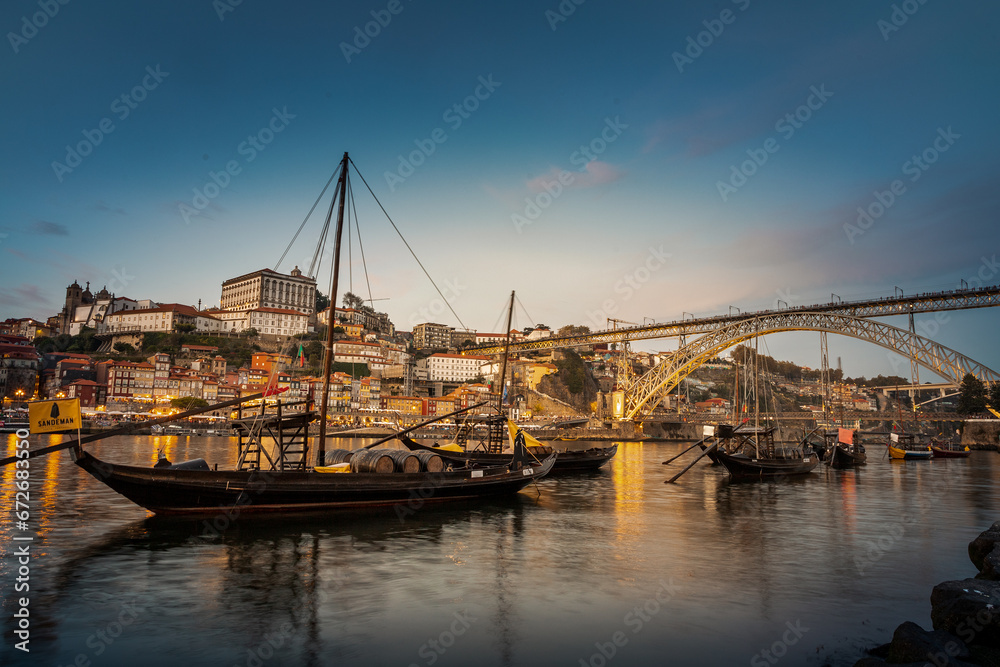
671, 460
135, 426
690, 465
422, 424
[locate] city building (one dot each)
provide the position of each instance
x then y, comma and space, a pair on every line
452, 367
269, 289
165, 319
430, 335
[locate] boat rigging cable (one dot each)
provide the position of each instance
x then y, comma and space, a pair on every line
403, 239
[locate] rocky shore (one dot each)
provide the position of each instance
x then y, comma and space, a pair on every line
965, 615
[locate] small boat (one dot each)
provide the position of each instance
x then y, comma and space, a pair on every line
903, 447
845, 451
949, 450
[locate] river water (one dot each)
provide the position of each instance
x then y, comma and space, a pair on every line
606, 568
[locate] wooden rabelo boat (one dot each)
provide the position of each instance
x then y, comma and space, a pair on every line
903, 447
273, 471
751, 453
566, 461
844, 449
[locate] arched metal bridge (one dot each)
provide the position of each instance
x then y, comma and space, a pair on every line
846, 318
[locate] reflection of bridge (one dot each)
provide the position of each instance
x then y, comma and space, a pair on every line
852, 318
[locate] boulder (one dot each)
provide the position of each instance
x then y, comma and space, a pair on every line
968, 609
991, 565
911, 643
982, 546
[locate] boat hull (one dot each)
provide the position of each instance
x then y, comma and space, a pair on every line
171, 491
940, 453
842, 457
590, 459
897, 454
744, 467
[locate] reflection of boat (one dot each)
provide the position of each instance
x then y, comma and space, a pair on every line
948, 450
903, 446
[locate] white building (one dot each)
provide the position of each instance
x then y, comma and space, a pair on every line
451, 367
165, 319
269, 289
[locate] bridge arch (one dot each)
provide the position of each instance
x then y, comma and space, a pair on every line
662, 379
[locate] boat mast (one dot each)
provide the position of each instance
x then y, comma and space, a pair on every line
506, 348
328, 357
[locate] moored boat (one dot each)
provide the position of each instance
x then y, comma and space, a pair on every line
949, 450
752, 454
845, 451
903, 447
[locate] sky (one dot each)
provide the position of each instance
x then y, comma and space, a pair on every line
636, 160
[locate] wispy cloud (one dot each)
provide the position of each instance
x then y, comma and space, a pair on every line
104, 208
596, 173
46, 228
24, 296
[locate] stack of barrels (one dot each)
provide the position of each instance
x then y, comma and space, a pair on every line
386, 460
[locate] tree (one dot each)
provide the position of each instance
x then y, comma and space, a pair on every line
124, 348
322, 302
995, 396
185, 328
573, 330
352, 300
251, 332
973, 395
188, 403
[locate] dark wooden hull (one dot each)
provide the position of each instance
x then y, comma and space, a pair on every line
843, 457
590, 459
172, 492
743, 467
942, 453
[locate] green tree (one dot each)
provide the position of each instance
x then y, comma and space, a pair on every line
251, 332
973, 395
185, 328
352, 300
573, 330
124, 348
322, 301
188, 403
995, 395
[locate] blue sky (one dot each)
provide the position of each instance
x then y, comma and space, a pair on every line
696, 189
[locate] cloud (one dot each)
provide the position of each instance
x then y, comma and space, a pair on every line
24, 296
594, 174
46, 228
103, 207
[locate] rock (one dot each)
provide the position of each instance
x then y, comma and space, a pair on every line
870, 662
968, 609
911, 643
983, 545
991, 565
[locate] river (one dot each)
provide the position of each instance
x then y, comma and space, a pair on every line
606, 568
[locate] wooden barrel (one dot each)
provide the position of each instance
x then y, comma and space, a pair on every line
405, 460
372, 460
429, 461
338, 456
